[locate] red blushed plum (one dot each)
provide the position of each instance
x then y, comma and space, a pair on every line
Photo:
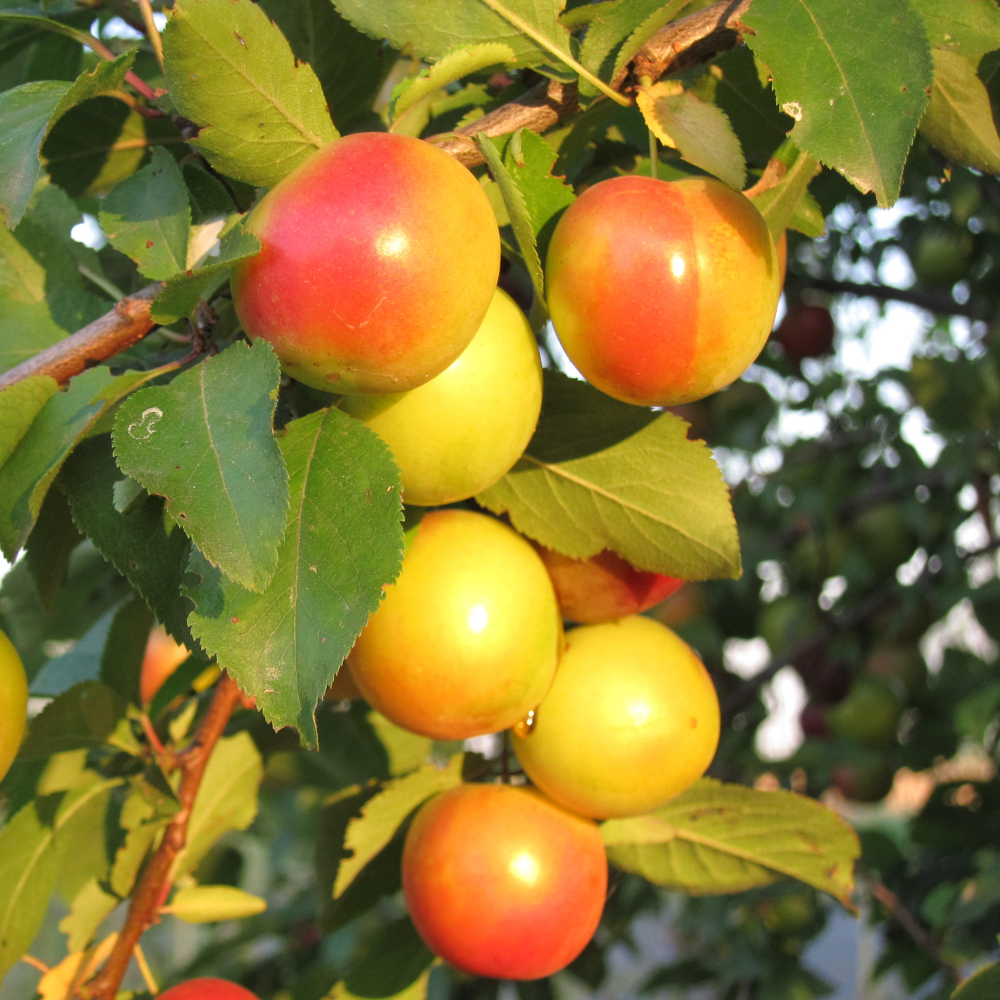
379, 257
605, 587
806, 332
502, 882
207, 989
662, 292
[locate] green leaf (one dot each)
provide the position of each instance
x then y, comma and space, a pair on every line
699, 131
959, 119
121, 661
969, 28
392, 963
26, 324
600, 474
204, 904
61, 423
529, 160
718, 838
381, 816
49, 546
517, 211
81, 663
205, 443
855, 80
24, 121
449, 68
147, 217
417, 990
351, 66
430, 29
231, 70
793, 170
143, 543
645, 31
80, 719
87, 911
32, 848
227, 798
181, 293
343, 543
27, 115
981, 985
20, 403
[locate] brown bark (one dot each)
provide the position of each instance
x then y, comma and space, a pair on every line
148, 895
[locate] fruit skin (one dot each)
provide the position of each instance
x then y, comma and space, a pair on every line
862, 781
467, 639
162, 657
463, 430
379, 256
662, 292
631, 720
207, 989
13, 703
806, 332
501, 882
605, 587
869, 714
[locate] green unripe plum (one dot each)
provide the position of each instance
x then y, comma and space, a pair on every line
869, 714
463, 430
378, 260
631, 720
467, 638
662, 292
502, 882
13, 703
942, 256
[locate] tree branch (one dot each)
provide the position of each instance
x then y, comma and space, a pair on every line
913, 927
148, 895
674, 48
107, 336
936, 302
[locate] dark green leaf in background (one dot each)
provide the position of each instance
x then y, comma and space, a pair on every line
147, 217
50, 545
231, 70
856, 82
79, 719
205, 443
351, 66
981, 985
142, 543
59, 426
343, 543
600, 474
121, 661
392, 960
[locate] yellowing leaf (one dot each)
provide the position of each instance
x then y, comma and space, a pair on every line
203, 904
699, 131
61, 981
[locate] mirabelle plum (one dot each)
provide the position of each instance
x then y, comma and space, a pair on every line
502, 882
662, 292
605, 587
631, 720
13, 703
466, 640
207, 989
379, 256
463, 430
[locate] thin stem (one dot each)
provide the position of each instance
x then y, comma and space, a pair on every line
145, 970
155, 882
159, 749
935, 302
152, 32
654, 156
563, 57
35, 963
102, 283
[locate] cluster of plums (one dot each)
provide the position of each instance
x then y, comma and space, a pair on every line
377, 281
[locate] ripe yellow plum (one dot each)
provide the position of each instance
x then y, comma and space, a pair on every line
631, 720
13, 703
460, 432
466, 641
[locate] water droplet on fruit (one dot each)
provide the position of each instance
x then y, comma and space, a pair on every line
525, 726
